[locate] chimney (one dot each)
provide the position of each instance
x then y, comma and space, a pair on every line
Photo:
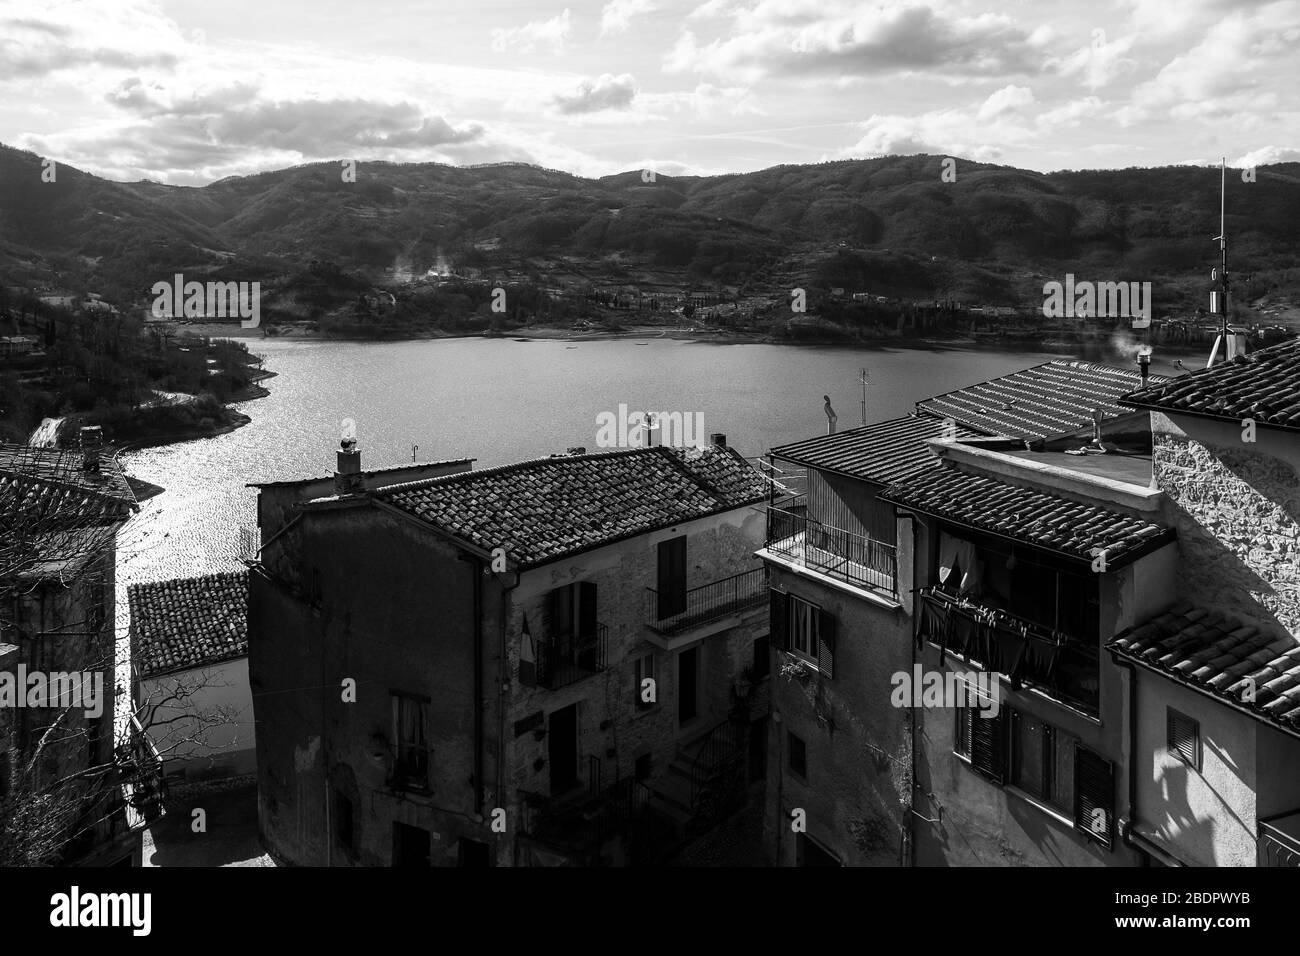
719, 439
1144, 365
650, 428
92, 439
830, 416
347, 477
577, 450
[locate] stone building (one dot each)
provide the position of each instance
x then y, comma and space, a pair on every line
960, 540
1214, 682
62, 513
551, 662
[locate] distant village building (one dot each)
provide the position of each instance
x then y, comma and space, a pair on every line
556, 661
15, 345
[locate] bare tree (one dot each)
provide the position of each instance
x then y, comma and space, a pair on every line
70, 777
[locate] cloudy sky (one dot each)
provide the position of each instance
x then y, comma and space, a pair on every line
189, 91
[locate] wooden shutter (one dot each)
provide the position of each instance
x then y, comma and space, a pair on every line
988, 744
672, 577
780, 623
826, 642
1184, 738
1094, 795
587, 611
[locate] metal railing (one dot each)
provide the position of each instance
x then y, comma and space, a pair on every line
724, 746
1275, 847
706, 603
1066, 666
568, 658
853, 558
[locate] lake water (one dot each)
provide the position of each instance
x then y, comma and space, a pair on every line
499, 401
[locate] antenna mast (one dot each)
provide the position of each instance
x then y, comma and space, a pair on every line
1219, 297
863, 380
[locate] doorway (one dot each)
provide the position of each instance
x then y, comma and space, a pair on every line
410, 845
688, 673
562, 749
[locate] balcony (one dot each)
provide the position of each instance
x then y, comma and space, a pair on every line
1278, 844
569, 658
855, 559
669, 614
1062, 665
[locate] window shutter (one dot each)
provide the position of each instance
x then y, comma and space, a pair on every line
988, 745
1184, 738
780, 624
1094, 795
826, 643
587, 610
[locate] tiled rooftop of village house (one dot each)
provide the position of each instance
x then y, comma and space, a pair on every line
1207, 649
882, 452
547, 508
1055, 398
189, 622
1264, 386
1024, 514
52, 485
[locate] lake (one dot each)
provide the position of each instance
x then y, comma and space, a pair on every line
500, 401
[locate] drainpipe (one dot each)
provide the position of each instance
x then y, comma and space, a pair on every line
909, 833
476, 567
1127, 825
503, 682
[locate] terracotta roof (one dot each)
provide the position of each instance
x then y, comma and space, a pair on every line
1046, 401
544, 509
1025, 514
883, 452
1207, 649
369, 473
1263, 385
188, 622
50, 486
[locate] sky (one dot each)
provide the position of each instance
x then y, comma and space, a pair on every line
188, 92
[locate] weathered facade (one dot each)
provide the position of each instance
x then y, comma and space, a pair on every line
1214, 683
527, 665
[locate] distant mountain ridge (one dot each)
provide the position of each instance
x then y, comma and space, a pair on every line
899, 223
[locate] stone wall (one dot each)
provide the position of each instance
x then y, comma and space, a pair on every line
1237, 510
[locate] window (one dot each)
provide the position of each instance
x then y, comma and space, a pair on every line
805, 629
644, 766
1041, 760
343, 819
410, 719
798, 756
762, 665
1184, 738
645, 695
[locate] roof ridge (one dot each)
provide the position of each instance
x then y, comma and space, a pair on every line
509, 468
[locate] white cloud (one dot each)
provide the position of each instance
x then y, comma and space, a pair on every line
1009, 99
606, 92
616, 16
526, 38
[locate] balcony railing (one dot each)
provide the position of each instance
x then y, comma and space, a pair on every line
853, 558
1277, 845
1064, 665
568, 658
710, 602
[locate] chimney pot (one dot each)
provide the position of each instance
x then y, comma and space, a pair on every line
92, 438
719, 439
347, 476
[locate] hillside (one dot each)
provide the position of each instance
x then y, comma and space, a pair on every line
888, 225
